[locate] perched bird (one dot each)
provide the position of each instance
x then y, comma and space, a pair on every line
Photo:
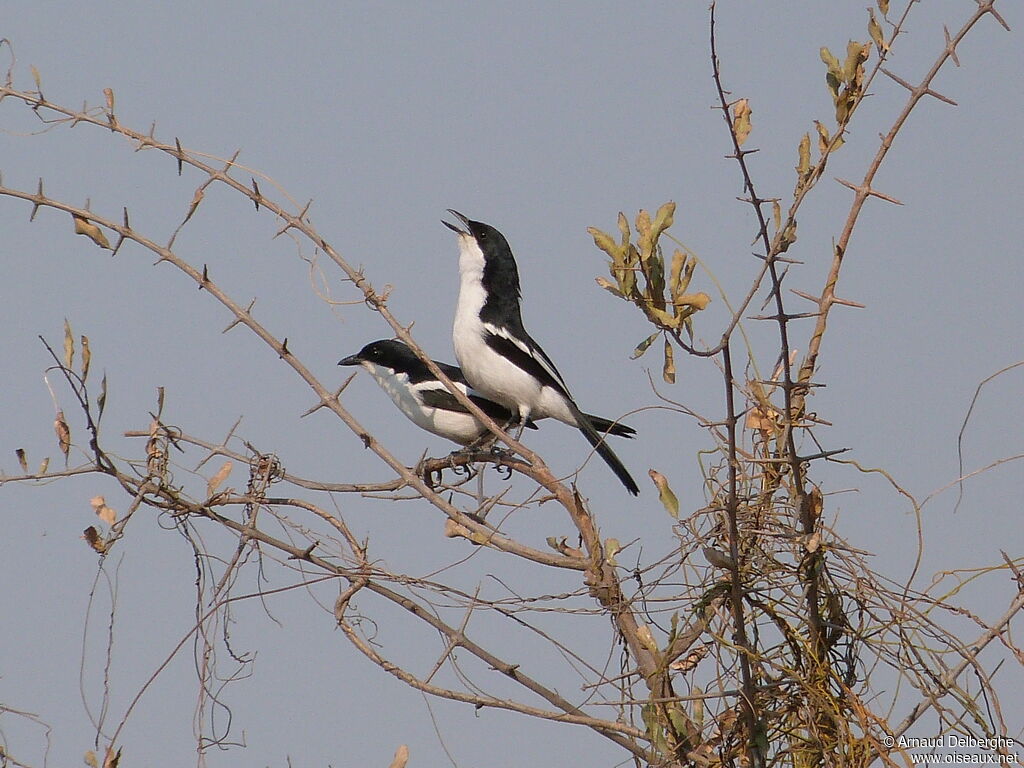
426, 401
498, 357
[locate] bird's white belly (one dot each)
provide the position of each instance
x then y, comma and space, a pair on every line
453, 425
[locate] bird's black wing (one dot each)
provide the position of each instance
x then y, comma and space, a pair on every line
525, 353
444, 400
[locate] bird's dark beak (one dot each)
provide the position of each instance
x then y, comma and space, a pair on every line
350, 360
460, 217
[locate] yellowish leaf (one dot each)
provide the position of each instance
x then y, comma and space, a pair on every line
86, 357
741, 120
777, 214
698, 301
37, 78
665, 493
761, 418
803, 166
60, 426
612, 547
823, 138
663, 218
676, 271
875, 30
609, 286
644, 345
90, 230
883, 6
69, 345
43, 466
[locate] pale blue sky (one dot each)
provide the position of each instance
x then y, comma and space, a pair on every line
541, 119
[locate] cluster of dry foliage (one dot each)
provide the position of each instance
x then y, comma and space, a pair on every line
766, 656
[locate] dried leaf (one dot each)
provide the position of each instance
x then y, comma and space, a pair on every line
86, 357
604, 241
90, 759
36, 77
823, 138
883, 6
668, 371
69, 345
644, 345
197, 198
43, 466
103, 512
609, 286
401, 757
665, 494
101, 401
22, 459
761, 419
220, 477
741, 120
113, 758
697, 301
803, 166
663, 219
691, 660
875, 31
612, 547
60, 426
108, 94
855, 58
93, 538
90, 230
777, 214
676, 272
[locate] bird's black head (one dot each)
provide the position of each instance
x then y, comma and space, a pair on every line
500, 275
490, 240
387, 353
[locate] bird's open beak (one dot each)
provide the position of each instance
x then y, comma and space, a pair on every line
350, 360
460, 217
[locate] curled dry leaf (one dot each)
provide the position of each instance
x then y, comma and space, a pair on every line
103, 512
691, 660
94, 540
665, 493
741, 120
22, 459
60, 426
401, 757
220, 477
90, 230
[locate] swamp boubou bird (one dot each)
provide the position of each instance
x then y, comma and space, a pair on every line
498, 357
427, 402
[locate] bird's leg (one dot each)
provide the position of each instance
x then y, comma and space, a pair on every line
522, 417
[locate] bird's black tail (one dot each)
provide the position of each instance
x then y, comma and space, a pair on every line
609, 427
586, 426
